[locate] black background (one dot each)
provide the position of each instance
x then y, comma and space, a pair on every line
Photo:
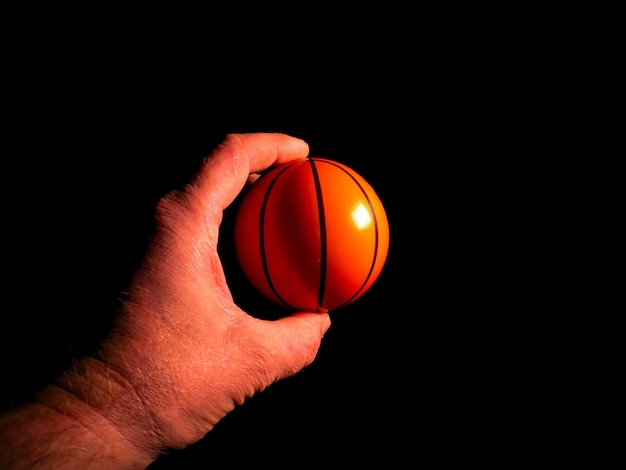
426, 365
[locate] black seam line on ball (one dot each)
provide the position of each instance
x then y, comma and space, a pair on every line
375, 256
323, 236
268, 278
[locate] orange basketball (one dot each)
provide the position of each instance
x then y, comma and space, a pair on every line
311, 235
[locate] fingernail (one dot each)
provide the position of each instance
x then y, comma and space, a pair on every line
326, 324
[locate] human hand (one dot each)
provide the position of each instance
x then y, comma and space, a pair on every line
182, 354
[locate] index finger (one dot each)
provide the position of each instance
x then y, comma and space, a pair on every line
225, 171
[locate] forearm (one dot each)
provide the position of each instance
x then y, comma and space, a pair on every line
60, 430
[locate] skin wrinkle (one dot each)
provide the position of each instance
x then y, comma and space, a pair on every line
144, 389
176, 383
132, 389
46, 458
114, 403
198, 252
88, 425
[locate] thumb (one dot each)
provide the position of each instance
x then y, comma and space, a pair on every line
295, 340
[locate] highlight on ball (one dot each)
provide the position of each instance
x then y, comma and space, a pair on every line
311, 235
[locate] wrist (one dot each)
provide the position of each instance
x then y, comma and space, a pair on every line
59, 430
97, 398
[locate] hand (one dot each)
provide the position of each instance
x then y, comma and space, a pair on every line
181, 354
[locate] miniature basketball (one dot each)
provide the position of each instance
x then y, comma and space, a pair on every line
311, 235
